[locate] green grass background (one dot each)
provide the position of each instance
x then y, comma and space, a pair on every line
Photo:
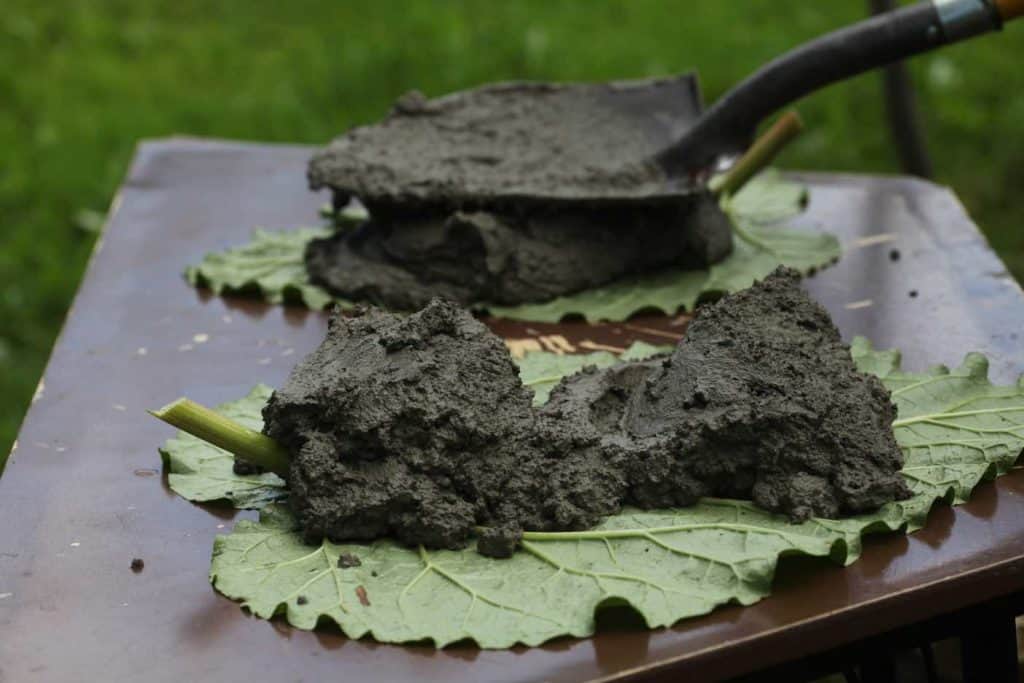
81, 82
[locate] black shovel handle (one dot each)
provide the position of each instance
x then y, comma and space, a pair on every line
728, 127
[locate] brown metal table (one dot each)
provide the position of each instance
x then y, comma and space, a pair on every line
83, 494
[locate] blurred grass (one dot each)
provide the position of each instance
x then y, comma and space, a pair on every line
81, 81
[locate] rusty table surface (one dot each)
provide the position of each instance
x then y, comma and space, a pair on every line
83, 496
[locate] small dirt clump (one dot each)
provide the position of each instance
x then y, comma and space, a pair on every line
244, 468
348, 560
419, 427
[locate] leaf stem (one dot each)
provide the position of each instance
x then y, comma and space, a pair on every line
223, 432
760, 154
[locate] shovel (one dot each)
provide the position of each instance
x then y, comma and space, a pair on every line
523, 146
728, 127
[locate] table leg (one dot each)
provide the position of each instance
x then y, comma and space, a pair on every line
878, 667
989, 647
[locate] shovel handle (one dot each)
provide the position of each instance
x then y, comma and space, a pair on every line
1010, 9
728, 126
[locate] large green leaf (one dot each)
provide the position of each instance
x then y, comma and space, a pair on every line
759, 250
202, 473
769, 198
666, 291
955, 427
271, 264
668, 566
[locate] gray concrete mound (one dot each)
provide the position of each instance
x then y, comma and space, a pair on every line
516, 144
483, 257
515, 193
419, 427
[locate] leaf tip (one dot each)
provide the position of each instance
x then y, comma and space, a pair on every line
976, 365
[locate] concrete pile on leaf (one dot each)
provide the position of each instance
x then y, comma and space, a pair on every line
419, 427
503, 195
